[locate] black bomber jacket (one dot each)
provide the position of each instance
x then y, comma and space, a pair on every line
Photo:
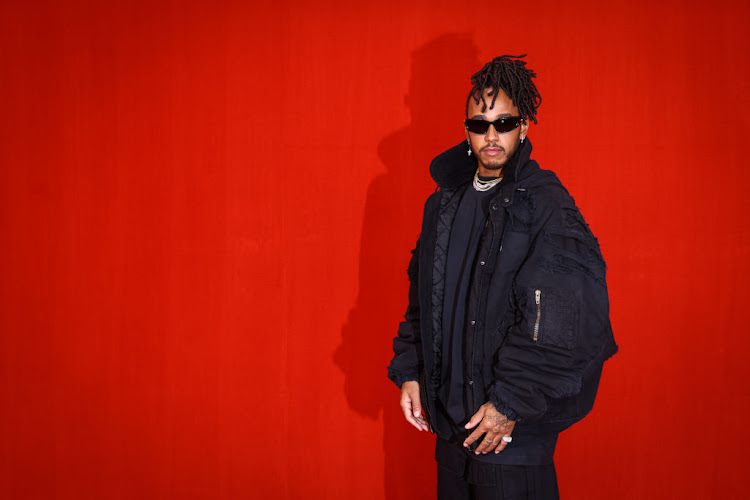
542, 330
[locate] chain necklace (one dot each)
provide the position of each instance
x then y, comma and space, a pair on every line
481, 185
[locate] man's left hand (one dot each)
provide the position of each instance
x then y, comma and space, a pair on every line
493, 424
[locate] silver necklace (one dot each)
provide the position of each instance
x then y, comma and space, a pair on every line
481, 185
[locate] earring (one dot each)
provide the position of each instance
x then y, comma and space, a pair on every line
469, 151
522, 138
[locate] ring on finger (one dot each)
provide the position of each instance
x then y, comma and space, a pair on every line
507, 439
488, 440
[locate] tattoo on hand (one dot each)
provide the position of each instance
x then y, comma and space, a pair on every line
500, 422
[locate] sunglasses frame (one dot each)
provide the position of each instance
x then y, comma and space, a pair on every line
500, 124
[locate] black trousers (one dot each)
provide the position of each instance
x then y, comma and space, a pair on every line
473, 480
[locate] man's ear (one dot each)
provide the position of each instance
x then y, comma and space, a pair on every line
524, 128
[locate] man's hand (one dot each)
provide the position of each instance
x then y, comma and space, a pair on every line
412, 406
494, 425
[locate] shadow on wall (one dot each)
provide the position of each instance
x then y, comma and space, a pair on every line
438, 86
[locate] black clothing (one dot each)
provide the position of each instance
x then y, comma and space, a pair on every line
462, 479
452, 405
471, 218
538, 330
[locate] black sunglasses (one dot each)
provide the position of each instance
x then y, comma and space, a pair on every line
502, 125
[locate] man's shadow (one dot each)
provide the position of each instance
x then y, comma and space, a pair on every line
438, 87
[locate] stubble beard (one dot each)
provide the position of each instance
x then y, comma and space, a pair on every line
498, 166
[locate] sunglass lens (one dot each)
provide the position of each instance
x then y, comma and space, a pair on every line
505, 124
477, 126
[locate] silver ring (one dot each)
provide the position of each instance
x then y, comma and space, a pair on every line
507, 439
488, 440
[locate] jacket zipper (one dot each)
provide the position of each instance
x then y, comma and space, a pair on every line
538, 300
426, 400
426, 406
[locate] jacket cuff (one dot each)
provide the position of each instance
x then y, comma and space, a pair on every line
399, 378
502, 407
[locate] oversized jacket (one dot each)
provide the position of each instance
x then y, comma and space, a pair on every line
542, 331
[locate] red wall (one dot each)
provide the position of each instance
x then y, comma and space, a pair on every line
206, 212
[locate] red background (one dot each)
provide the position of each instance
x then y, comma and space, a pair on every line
206, 212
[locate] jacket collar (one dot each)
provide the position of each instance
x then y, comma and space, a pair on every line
454, 167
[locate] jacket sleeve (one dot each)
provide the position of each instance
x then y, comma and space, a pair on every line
561, 332
407, 346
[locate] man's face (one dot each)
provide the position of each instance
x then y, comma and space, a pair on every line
493, 149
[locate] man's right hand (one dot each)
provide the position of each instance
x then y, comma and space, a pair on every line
412, 405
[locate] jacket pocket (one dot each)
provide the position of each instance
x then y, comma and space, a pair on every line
553, 316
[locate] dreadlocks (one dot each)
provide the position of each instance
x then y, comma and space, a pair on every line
509, 74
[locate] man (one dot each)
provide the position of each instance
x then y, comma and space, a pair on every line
508, 326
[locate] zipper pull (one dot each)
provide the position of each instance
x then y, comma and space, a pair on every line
538, 300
